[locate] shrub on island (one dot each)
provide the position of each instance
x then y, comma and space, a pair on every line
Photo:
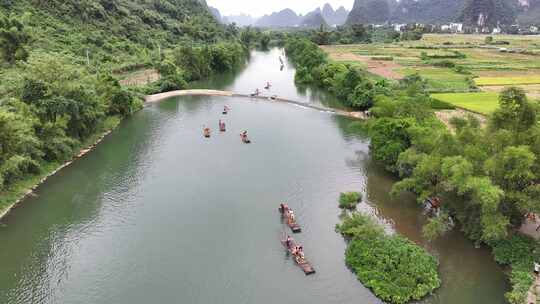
394, 268
349, 200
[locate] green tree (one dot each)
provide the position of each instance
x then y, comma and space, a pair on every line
13, 38
515, 112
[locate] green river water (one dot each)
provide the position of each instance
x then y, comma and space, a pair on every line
158, 214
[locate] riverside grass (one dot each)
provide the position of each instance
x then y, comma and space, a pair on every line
479, 102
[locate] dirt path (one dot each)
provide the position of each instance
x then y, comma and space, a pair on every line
446, 115
384, 68
534, 291
140, 77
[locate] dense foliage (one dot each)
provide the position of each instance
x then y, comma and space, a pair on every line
117, 33
396, 269
349, 200
520, 252
55, 106
347, 82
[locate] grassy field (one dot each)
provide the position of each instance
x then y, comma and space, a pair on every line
481, 102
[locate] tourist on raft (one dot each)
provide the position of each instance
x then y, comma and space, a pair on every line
288, 241
226, 109
244, 137
206, 132
291, 216
283, 208
222, 127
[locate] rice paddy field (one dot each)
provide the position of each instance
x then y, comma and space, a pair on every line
479, 102
460, 69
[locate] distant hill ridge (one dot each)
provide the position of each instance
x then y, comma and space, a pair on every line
479, 13
289, 18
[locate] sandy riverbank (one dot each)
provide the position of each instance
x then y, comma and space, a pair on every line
162, 96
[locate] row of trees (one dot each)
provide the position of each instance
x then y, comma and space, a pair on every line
357, 33
190, 63
347, 82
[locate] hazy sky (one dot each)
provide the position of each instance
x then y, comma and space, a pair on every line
262, 7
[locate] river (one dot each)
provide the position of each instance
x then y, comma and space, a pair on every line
158, 214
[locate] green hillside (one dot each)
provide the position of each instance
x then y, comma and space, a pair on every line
113, 31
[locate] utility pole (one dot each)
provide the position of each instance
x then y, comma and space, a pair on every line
87, 58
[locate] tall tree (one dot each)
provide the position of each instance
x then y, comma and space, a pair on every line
13, 38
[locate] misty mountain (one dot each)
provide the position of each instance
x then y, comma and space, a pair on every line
241, 20
284, 18
369, 12
475, 13
488, 13
313, 19
427, 11
332, 17
215, 12
529, 12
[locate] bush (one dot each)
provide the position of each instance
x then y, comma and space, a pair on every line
397, 270
383, 58
461, 70
349, 200
519, 252
444, 64
16, 167
122, 103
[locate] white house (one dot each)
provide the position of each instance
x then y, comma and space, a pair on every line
456, 27
399, 27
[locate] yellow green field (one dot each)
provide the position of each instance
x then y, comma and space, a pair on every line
479, 102
498, 81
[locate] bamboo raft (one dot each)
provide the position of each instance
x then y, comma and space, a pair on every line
304, 264
295, 227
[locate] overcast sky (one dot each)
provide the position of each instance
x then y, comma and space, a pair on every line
261, 7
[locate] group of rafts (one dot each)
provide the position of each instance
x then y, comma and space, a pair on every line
295, 249
222, 128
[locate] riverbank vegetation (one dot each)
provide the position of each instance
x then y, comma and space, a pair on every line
487, 179
397, 270
59, 64
349, 200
